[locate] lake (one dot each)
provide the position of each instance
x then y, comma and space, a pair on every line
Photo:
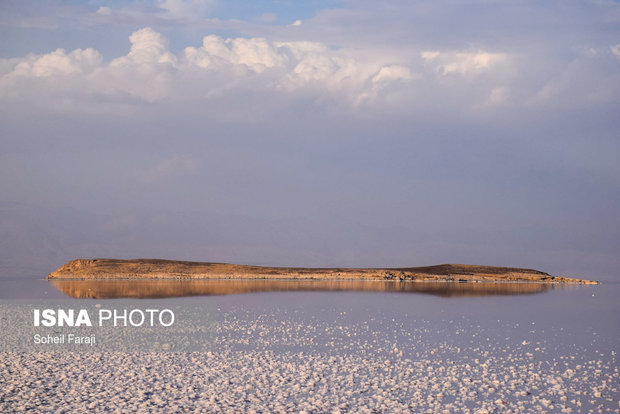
349, 346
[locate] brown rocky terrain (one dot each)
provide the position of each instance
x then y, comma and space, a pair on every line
172, 269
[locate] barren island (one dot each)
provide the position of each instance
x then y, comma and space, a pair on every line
173, 269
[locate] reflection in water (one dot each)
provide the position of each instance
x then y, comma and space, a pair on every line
110, 289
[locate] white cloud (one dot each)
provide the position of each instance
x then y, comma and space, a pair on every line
394, 72
294, 64
104, 11
151, 73
148, 48
256, 53
59, 62
225, 74
429, 55
463, 62
497, 97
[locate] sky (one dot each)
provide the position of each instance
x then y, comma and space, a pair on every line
318, 133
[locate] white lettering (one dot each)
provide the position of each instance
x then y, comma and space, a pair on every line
136, 317
133, 312
65, 317
83, 318
49, 317
108, 315
161, 314
123, 317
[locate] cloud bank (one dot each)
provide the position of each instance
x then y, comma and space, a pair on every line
361, 80
150, 72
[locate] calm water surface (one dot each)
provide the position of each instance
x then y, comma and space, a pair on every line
565, 337
577, 314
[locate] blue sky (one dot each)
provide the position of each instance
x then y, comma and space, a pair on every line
311, 133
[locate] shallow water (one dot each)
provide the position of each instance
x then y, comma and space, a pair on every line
358, 347
585, 312
32, 288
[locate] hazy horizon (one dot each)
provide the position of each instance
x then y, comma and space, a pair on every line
332, 133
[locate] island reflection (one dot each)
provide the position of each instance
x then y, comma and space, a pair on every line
149, 289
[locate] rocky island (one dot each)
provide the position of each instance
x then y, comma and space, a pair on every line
172, 269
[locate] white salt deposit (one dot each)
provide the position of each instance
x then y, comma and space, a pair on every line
284, 362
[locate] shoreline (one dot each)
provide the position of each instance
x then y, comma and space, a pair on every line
310, 279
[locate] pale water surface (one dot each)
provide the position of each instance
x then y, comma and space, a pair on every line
388, 346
